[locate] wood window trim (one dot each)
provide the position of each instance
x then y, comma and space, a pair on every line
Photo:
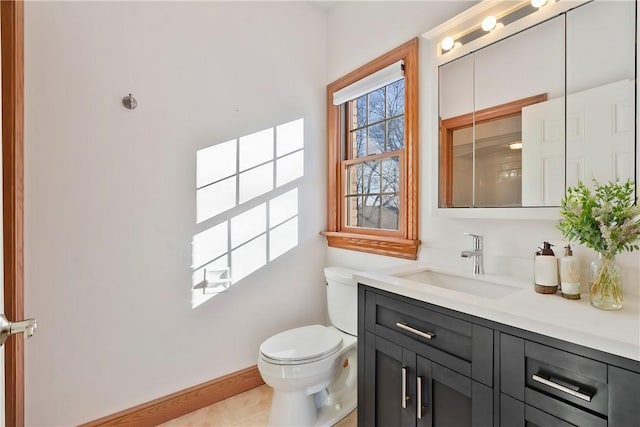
402, 244
12, 40
448, 126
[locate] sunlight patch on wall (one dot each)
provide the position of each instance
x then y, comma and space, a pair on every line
244, 231
256, 182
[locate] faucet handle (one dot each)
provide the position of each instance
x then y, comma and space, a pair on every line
477, 240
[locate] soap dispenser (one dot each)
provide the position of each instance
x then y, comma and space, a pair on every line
546, 270
569, 275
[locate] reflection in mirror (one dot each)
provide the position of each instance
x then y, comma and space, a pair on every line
521, 66
493, 147
514, 155
455, 91
601, 92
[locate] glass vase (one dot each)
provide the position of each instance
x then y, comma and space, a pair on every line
605, 283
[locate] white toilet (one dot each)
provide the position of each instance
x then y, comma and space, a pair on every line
313, 369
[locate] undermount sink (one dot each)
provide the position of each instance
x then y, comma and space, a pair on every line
475, 286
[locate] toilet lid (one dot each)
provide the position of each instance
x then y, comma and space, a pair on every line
302, 345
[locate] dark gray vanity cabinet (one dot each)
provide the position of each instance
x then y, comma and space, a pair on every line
425, 365
569, 388
416, 364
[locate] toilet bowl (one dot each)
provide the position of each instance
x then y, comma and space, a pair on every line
313, 369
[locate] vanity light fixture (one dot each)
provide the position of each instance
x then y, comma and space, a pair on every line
489, 23
538, 3
516, 145
447, 43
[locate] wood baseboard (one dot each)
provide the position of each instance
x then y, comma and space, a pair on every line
183, 402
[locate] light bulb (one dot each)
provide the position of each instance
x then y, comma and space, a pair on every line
489, 23
447, 43
538, 3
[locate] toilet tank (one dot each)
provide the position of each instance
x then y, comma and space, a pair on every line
342, 299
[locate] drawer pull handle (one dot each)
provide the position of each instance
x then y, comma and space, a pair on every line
419, 397
405, 398
427, 335
562, 388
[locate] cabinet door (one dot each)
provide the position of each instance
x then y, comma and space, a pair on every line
514, 413
624, 397
389, 384
446, 398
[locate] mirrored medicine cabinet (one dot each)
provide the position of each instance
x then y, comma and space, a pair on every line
529, 115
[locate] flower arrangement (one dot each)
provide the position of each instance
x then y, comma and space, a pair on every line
607, 220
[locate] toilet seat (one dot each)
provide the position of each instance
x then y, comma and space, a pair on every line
301, 345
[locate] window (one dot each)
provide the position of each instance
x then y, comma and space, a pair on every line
373, 156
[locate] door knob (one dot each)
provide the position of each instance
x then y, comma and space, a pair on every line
26, 327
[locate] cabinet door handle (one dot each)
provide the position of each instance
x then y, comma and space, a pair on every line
419, 397
562, 388
405, 398
427, 335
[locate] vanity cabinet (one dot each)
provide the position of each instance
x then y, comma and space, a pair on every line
569, 388
425, 365
416, 364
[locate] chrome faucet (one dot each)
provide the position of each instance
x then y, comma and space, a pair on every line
476, 253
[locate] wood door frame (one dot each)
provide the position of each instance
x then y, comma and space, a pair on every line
447, 126
12, 57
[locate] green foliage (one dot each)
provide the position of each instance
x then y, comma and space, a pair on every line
605, 219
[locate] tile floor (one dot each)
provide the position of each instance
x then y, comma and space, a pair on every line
248, 409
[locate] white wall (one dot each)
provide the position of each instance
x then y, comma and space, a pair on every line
505, 240
110, 193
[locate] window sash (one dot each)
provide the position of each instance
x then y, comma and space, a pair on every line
402, 181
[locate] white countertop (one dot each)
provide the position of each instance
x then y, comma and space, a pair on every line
576, 321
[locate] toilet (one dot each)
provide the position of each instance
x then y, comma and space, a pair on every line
313, 369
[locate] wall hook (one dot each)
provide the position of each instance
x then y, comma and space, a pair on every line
129, 102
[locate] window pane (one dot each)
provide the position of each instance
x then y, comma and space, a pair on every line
352, 210
395, 136
395, 98
354, 179
371, 212
375, 143
390, 212
370, 178
360, 112
391, 175
376, 105
359, 142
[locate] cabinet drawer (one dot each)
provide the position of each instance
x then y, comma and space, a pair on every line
437, 336
537, 374
434, 329
514, 413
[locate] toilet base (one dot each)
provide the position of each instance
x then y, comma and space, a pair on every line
331, 414
299, 409
292, 409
